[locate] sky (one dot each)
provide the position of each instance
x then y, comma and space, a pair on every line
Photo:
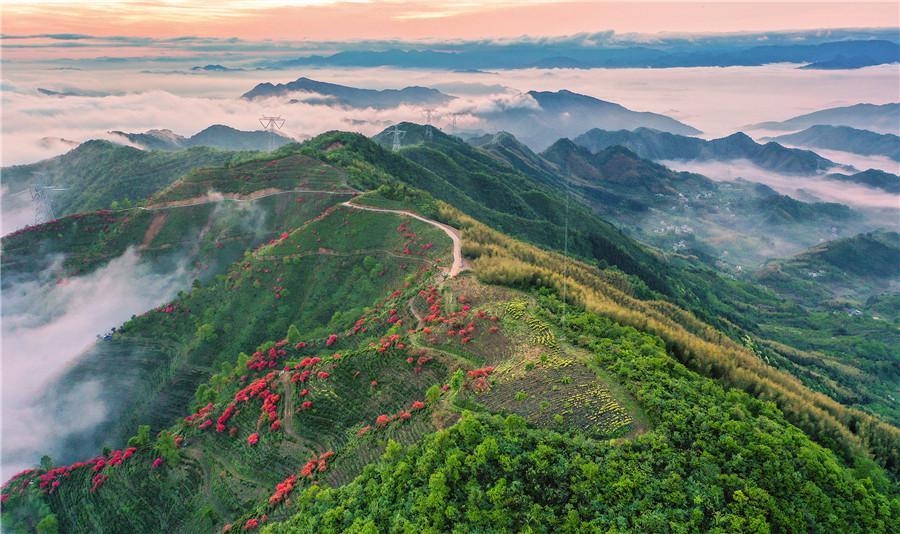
425, 19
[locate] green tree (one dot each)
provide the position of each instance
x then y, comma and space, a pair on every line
141, 438
293, 334
165, 447
456, 381
48, 525
46, 462
206, 332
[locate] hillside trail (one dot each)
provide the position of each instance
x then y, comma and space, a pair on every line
288, 420
213, 196
198, 456
453, 233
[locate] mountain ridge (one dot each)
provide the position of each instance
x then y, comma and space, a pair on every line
656, 145
844, 138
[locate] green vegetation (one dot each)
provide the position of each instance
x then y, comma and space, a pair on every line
333, 378
98, 173
717, 460
292, 172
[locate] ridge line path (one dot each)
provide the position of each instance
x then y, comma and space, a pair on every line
214, 196
449, 230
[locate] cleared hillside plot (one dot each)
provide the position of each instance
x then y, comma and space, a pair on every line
295, 172
206, 237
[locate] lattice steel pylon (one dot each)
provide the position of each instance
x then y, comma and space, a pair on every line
428, 133
42, 202
270, 124
398, 134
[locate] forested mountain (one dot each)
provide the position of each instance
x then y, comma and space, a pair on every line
566, 114
845, 138
872, 178
875, 117
738, 223
332, 93
651, 144
851, 269
215, 136
405, 347
97, 173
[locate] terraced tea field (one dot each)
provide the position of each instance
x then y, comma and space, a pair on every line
296, 172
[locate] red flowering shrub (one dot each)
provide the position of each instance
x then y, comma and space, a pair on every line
418, 405
282, 490
251, 524
480, 385
331, 339
481, 372
253, 438
317, 464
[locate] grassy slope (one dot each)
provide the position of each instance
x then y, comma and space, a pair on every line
505, 199
755, 469
99, 172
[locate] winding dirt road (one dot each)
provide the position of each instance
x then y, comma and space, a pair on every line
457, 266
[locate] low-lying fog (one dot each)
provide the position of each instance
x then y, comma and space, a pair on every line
807, 188
45, 326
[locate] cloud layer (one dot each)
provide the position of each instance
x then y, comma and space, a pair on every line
46, 326
809, 188
713, 100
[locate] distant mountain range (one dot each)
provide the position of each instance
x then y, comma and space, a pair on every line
872, 178
332, 93
844, 138
216, 136
553, 114
883, 118
214, 68
565, 114
607, 51
655, 145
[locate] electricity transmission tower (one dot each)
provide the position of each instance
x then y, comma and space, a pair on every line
42, 201
428, 133
398, 134
453, 122
271, 124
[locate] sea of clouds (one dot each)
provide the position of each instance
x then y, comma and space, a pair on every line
133, 96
